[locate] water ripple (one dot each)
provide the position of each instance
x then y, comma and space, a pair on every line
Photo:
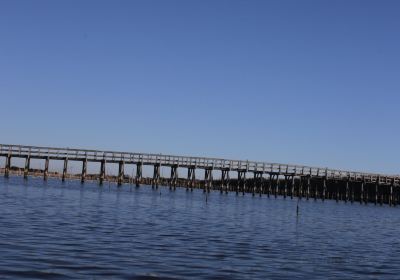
72, 231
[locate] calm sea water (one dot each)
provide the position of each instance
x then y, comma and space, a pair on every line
50, 230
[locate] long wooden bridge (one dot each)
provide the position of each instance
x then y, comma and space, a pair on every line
260, 178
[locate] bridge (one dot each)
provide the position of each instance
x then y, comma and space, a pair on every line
261, 178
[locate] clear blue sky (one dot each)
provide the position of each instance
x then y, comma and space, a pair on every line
308, 82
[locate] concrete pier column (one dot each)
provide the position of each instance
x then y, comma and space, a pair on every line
347, 191
324, 190
8, 166
46, 169
308, 186
84, 170
276, 186
120, 173
376, 191
27, 166
102, 171
138, 178
65, 168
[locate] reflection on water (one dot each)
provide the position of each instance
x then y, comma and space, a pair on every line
55, 230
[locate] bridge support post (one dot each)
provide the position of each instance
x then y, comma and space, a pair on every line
276, 186
301, 187
191, 178
224, 180
84, 170
269, 185
174, 177
255, 183
292, 187
208, 179
261, 184
308, 186
347, 191
391, 193
120, 173
139, 174
156, 176
241, 184
102, 171
376, 190
65, 168
27, 165
46, 169
362, 192
286, 187
324, 190
8, 166
352, 193
337, 190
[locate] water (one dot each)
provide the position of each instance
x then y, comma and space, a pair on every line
50, 230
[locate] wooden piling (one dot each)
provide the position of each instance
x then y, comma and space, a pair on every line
362, 192
269, 185
84, 170
173, 180
285, 187
102, 171
292, 185
224, 181
156, 176
208, 180
65, 168
138, 177
27, 166
301, 187
120, 173
8, 166
46, 168
191, 178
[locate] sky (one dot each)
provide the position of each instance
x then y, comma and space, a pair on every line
302, 82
